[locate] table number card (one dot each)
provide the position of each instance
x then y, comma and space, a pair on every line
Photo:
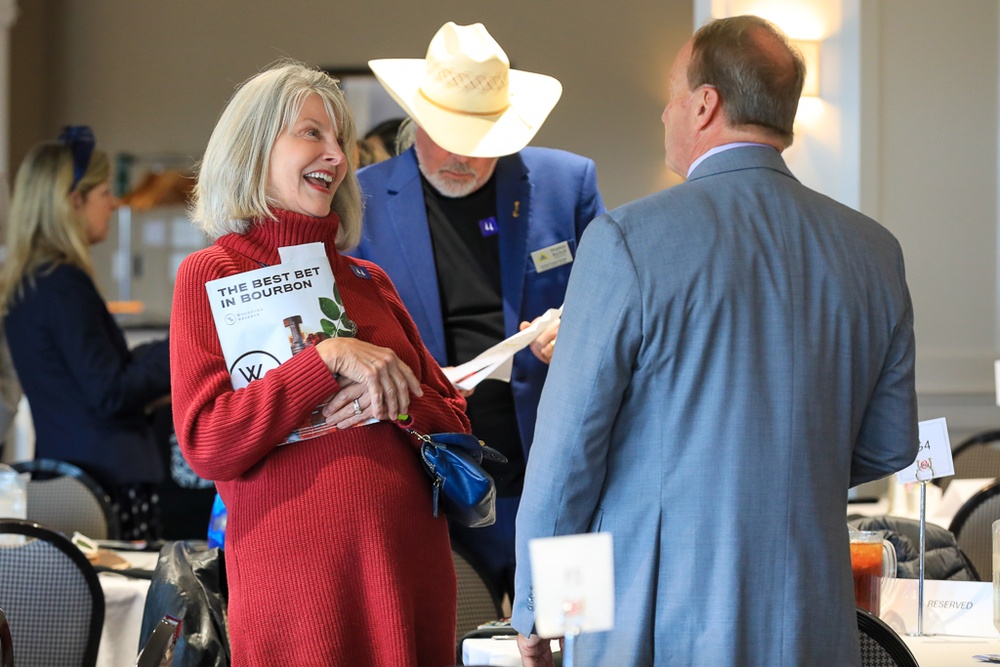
934, 456
996, 378
572, 579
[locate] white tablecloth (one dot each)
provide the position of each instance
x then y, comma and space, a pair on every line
929, 651
495, 651
124, 599
950, 651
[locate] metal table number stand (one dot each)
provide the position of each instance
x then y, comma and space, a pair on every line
933, 460
923, 478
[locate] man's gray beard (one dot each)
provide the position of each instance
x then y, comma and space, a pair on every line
452, 189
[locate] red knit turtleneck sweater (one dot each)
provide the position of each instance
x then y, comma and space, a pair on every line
333, 556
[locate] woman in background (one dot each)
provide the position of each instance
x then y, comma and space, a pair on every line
333, 556
87, 391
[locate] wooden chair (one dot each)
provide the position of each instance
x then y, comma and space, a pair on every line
63, 497
51, 595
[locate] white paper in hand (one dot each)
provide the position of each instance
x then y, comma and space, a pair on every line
573, 583
496, 362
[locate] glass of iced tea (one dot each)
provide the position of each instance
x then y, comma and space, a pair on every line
871, 559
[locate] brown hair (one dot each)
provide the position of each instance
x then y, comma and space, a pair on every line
758, 74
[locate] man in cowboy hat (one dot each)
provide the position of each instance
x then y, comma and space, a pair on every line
479, 233
763, 362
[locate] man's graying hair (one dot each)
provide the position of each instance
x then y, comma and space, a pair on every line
758, 74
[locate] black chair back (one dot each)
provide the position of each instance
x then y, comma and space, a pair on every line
478, 602
973, 528
51, 596
976, 456
64, 497
880, 645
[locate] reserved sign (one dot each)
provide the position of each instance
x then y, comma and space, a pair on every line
961, 608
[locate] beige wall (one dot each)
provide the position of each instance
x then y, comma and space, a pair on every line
935, 186
938, 177
153, 77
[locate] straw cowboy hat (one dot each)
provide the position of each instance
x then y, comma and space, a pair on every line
465, 95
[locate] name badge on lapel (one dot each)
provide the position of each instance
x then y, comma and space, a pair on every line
551, 257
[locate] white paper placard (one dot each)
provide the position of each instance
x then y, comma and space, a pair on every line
962, 608
934, 456
573, 583
996, 378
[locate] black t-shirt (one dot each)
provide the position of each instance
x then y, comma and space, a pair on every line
465, 236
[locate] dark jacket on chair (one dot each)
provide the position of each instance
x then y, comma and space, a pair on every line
944, 560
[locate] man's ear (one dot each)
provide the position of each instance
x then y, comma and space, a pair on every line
707, 104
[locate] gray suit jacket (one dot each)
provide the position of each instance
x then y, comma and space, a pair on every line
735, 352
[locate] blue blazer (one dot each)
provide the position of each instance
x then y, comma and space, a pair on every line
544, 197
86, 389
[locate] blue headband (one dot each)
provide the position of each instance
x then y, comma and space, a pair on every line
80, 140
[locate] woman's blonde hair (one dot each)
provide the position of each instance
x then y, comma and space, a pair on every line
44, 229
231, 192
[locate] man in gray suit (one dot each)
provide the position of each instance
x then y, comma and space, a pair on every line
735, 352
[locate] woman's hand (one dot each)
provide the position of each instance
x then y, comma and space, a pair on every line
349, 407
384, 378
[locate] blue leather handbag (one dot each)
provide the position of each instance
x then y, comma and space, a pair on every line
462, 488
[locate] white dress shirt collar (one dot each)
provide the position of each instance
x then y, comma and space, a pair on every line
718, 149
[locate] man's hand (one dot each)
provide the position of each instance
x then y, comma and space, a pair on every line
535, 651
545, 343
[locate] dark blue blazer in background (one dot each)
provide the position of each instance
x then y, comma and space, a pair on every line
86, 390
544, 197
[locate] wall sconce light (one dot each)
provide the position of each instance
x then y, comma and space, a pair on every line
810, 54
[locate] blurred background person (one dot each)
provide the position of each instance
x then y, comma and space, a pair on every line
368, 152
383, 135
10, 386
333, 555
461, 223
87, 391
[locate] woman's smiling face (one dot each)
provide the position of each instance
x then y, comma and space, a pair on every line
307, 162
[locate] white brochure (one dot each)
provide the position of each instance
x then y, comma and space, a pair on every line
266, 316
495, 363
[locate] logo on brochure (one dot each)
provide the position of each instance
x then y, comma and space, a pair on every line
251, 366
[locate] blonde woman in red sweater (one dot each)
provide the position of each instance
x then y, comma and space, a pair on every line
333, 555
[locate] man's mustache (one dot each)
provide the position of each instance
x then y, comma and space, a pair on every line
457, 168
